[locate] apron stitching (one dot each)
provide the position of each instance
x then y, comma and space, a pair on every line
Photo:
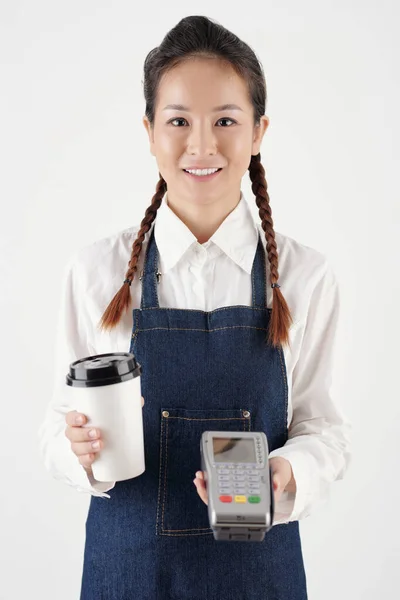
159, 477
206, 330
220, 309
185, 534
165, 474
154, 278
280, 353
211, 419
253, 288
135, 327
193, 529
283, 370
264, 263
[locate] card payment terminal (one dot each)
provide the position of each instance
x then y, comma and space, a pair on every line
239, 484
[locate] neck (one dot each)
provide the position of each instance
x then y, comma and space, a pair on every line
203, 221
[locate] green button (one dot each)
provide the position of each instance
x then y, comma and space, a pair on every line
254, 499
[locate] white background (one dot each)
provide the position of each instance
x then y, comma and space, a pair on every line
75, 166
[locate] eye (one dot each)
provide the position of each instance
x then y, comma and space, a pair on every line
176, 119
182, 119
226, 119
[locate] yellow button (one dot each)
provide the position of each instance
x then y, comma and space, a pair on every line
240, 498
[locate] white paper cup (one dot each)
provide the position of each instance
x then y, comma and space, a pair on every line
106, 388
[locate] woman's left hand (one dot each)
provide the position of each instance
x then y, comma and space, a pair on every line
282, 479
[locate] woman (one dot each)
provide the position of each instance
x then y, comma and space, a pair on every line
221, 346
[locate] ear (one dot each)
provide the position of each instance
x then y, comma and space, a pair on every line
259, 131
150, 133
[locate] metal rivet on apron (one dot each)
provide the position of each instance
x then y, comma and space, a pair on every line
165, 413
246, 414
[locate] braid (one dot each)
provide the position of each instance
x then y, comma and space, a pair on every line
281, 318
122, 299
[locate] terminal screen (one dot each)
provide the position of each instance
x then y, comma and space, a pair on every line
234, 450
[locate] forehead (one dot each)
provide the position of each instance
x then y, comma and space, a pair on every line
203, 84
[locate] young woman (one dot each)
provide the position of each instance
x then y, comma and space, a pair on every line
234, 326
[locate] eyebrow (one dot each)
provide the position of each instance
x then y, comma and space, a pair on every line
216, 109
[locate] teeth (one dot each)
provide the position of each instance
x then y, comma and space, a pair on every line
201, 171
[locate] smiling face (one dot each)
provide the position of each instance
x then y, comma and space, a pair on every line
191, 130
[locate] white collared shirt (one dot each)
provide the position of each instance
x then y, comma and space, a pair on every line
205, 277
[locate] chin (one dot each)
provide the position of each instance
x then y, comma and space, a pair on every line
203, 199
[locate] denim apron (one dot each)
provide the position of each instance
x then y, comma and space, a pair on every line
200, 371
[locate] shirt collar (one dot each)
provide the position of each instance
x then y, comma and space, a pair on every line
237, 236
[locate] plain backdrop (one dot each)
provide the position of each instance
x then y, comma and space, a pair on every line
76, 166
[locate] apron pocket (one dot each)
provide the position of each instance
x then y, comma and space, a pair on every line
180, 510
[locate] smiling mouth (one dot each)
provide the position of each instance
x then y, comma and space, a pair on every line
202, 177
186, 170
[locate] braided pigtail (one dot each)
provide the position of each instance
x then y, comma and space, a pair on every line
122, 299
281, 318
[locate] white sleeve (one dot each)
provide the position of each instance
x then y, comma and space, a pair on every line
71, 344
318, 447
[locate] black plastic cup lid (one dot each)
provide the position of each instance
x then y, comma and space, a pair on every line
103, 369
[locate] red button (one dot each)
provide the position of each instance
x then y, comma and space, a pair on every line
225, 498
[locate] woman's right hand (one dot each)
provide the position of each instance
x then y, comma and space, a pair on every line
82, 438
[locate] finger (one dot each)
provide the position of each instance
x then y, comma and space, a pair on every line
82, 434
201, 489
199, 474
72, 419
142, 401
81, 448
87, 460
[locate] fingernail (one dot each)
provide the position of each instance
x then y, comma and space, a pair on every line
79, 420
92, 433
95, 444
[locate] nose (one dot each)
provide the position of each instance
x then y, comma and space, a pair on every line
201, 140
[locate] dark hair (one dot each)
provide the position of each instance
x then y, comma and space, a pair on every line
198, 36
